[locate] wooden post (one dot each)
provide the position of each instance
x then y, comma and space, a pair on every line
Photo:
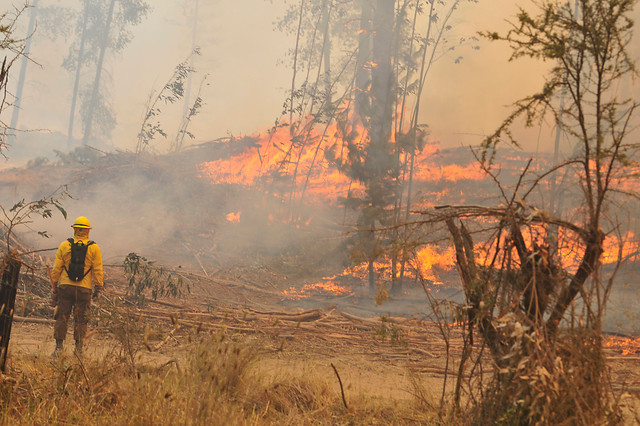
8, 288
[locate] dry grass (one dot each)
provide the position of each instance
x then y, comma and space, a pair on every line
222, 378
233, 377
213, 381
561, 382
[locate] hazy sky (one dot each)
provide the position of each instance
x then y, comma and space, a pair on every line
241, 52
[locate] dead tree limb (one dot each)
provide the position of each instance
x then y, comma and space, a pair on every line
344, 401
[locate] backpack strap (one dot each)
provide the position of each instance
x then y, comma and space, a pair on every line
72, 242
90, 267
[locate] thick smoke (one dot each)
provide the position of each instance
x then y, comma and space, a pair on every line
166, 210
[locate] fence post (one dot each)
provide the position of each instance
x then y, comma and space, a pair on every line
8, 288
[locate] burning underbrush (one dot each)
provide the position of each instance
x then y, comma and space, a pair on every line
623, 345
431, 264
328, 286
256, 203
223, 201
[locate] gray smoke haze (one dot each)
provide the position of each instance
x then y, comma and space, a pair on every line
249, 71
163, 209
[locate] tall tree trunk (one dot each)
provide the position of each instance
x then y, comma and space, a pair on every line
396, 277
408, 74
378, 161
326, 7
555, 189
308, 127
96, 81
363, 73
414, 119
187, 92
381, 82
76, 83
406, 216
295, 64
23, 66
381, 76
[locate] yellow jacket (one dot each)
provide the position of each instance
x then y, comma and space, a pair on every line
93, 261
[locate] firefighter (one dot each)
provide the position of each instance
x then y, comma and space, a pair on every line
77, 269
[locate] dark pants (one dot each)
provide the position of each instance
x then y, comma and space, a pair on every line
78, 299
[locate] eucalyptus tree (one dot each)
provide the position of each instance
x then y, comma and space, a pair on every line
99, 28
172, 91
361, 65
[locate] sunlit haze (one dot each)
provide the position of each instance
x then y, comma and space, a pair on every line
248, 72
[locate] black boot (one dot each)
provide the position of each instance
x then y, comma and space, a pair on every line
59, 348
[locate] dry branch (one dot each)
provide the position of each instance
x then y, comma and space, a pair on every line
344, 401
423, 352
33, 320
167, 337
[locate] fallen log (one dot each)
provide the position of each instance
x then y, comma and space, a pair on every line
423, 352
360, 319
18, 318
310, 316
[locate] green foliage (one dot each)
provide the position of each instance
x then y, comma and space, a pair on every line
549, 357
143, 275
170, 93
378, 68
7, 25
191, 112
23, 212
591, 54
389, 330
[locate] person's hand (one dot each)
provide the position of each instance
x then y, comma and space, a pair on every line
96, 292
54, 298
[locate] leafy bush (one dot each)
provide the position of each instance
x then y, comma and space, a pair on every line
143, 275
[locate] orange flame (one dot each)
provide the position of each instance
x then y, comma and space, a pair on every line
307, 168
430, 258
298, 162
328, 287
450, 173
234, 217
623, 345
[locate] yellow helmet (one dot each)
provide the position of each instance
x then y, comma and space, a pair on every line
81, 222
